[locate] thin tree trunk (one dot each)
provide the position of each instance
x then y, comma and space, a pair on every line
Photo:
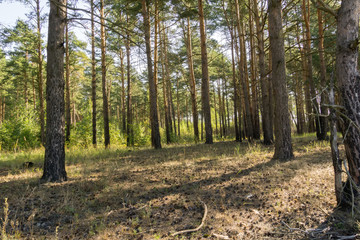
249, 124
123, 110
215, 113
129, 128
67, 84
93, 76
205, 92
283, 146
230, 28
103, 77
253, 71
40, 75
323, 128
309, 69
54, 163
165, 97
156, 141
195, 114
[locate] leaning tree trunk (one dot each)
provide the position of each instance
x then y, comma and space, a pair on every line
283, 146
349, 82
205, 88
54, 164
156, 141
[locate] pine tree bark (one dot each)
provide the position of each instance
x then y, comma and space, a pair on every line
323, 128
234, 80
205, 88
123, 105
264, 81
192, 83
54, 164
283, 145
129, 124
309, 68
40, 74
253, 71
348, 79
67, 84
103, 77
243, 81
93, 76
156, 141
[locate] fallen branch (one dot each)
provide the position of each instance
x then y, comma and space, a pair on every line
348, 237
195, 229
292, 229
220, 236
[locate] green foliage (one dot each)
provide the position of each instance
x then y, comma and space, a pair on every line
19, 133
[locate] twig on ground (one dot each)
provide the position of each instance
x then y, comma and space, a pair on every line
292, 229
195, 229
348, 237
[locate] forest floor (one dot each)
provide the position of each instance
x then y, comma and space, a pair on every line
151, 194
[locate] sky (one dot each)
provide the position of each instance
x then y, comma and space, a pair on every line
11, 11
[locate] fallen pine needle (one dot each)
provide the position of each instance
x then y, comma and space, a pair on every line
195, 229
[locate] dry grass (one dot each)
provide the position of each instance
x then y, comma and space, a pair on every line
149, 194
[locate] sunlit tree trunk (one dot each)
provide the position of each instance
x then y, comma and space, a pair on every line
205, 88
242, 69
348, 79
54, 164
195, 114
93, 76
129, 124
103, 77
253, 71
283, 145
40, 74
155, 133
123, 109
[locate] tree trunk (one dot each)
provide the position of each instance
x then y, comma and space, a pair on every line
242, 69
309, 68
103, 77
67, 84
123, 110
195, 114
93, 76
323, 128
230, 28
264, 81
156, 141
129, 126
205, 88
40, 75
283, 146
253, 71
54, 164
349, 81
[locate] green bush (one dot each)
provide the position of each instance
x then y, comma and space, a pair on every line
20, 133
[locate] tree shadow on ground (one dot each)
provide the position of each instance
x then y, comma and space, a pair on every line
152, 193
